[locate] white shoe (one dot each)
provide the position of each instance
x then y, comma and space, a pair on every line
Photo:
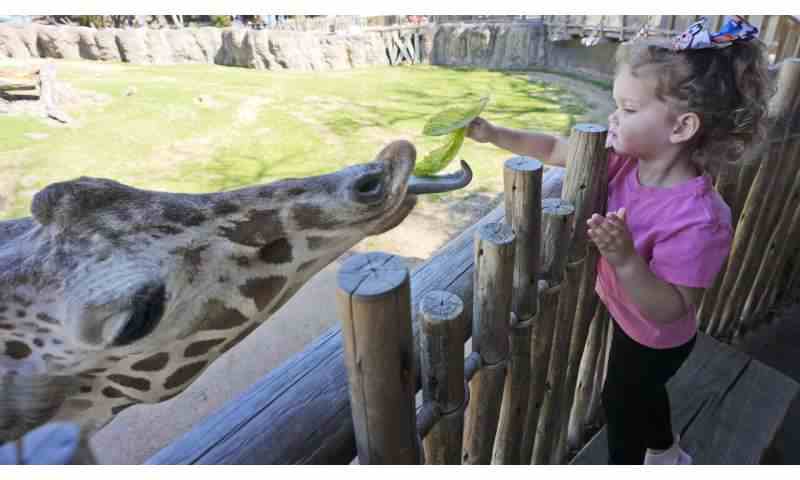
674, 455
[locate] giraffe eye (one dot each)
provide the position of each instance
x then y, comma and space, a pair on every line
148, 308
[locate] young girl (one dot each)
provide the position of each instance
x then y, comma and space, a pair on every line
682, 109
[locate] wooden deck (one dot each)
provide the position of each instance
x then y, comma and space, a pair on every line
726, 406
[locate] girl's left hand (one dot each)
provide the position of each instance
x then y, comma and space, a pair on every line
612, 237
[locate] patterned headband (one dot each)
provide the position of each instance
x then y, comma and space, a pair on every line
698, 36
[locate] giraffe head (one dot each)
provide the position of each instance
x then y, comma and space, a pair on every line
111, 295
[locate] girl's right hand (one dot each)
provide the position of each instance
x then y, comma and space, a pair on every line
480, 130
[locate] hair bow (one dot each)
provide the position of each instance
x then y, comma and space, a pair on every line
698, 36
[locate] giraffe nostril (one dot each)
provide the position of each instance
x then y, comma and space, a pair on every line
369, 188
148, 307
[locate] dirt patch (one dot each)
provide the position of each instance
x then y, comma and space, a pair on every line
598, 100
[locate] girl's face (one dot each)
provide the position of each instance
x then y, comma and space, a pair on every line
642, 124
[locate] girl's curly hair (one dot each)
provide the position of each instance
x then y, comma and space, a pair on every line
728, 88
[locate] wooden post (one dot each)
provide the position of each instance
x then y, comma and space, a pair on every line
586, 186
374, 303
594, 411
523, 203
583, 390
550, 414
753, 221
493, 279
442, 363
557, 221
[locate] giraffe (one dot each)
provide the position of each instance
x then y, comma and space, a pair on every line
112, 296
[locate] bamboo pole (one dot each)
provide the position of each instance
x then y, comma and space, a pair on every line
586, 186
753, 218
374, 303
726, 185
752, 160
557, 218
758, 246
442, 365
749, 167
772, 256
523, 201
783, 107
778, 283
583, 389
493, 280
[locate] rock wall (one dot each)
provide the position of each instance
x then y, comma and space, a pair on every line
518, 46
263, 49
500, 46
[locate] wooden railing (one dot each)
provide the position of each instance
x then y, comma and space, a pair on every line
405, 44
781, 33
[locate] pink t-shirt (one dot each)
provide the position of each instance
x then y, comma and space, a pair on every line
684, 234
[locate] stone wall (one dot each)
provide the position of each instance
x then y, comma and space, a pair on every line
500, 46
263, 49
518, 46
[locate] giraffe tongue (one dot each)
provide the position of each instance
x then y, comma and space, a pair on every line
441, 183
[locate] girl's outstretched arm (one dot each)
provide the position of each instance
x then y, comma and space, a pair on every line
547, 148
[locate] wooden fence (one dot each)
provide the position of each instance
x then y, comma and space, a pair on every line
781, 33
543, 361
520, 284
406, 44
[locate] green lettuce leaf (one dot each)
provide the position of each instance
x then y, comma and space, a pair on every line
438, 159
452, 119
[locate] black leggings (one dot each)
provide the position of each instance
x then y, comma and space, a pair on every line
635, 397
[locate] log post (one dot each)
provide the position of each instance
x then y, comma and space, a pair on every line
586, 186
551, 414
523, 203
557, 221
753, 219
594, 412
374, 303
442, 363
493, 279
583, 390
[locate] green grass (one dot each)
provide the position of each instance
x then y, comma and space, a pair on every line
309, 123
